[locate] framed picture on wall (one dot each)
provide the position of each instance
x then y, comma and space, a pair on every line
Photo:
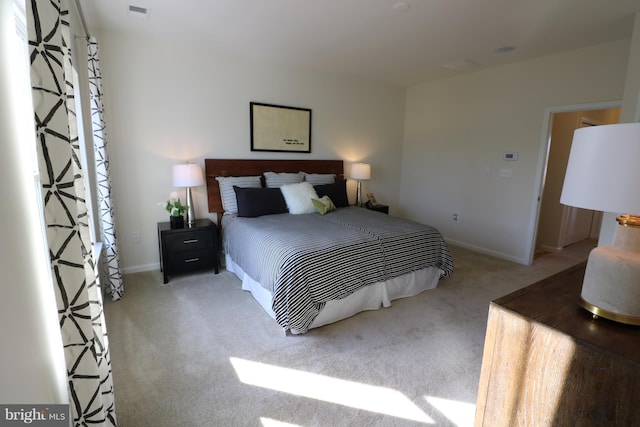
280, 128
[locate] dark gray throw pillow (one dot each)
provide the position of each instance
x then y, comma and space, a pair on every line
337, 192
253, 202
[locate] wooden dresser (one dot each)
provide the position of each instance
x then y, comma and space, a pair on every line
547, 362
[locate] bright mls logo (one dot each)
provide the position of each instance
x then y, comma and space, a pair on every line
36, 415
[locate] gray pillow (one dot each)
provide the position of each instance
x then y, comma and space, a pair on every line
320, 178
277, 180
227, 194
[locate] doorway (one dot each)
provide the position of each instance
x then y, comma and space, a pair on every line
559, 225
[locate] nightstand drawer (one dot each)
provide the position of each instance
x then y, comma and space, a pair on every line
191, 260
189, 241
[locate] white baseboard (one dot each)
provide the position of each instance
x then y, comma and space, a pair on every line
486, 251
550, 248
156, 266
141, 268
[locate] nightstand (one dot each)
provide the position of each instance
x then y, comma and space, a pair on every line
378, 208
187, 249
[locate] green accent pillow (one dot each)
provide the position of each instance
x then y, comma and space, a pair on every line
323, 205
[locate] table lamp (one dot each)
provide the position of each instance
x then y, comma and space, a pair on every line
360, 171
603, 174
188, 175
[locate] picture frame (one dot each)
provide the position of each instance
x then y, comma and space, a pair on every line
280, 128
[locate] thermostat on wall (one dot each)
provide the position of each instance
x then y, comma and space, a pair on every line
511, 155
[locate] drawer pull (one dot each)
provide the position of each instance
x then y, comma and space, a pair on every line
192, 260
190, 241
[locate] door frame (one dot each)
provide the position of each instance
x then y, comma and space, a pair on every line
543, 158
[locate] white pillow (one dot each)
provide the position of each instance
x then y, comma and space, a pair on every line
228, 195
298, 197
320, 178
275, 180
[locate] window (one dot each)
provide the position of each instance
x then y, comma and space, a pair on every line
26, 126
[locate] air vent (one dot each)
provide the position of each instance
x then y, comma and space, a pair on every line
138, 12
504, 49
461, 65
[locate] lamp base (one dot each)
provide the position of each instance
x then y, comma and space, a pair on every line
611, 286
616, 317
191, 217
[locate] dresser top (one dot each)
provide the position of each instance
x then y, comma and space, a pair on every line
200, 223
554, 302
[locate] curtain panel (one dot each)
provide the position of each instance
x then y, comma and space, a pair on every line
78, 297
105, 202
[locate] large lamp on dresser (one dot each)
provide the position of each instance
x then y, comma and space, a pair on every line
603, 174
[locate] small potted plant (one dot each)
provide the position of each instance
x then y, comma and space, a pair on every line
176, 210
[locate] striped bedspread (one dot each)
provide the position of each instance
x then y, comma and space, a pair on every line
307, 260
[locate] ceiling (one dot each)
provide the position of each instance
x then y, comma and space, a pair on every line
398, 42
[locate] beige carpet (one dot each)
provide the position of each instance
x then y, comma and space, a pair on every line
199, 351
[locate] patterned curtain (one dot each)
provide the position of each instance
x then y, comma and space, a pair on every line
107, 225
65, 214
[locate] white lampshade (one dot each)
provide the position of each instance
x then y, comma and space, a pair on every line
604, 169
360, 171
187, 175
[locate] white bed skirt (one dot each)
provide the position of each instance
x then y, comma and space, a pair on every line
367, 298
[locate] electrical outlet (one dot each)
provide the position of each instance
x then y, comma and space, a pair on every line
135, 237
455, 217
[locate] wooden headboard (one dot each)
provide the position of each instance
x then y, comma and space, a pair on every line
246, 167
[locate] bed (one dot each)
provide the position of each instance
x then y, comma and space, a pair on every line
310, 268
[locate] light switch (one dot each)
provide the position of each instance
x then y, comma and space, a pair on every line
505, 173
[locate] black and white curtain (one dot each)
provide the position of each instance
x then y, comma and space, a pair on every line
78, 298
105, 205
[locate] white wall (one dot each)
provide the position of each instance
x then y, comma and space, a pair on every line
167, 103
630, 113
458, 127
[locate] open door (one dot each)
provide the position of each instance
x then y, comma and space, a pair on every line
578, 224
560, 225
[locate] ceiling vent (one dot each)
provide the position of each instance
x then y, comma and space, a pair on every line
138, 12
504, 49
461, 65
